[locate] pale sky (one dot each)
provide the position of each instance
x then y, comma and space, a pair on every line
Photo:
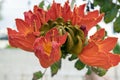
12, 9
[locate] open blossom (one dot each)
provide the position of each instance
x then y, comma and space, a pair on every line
98, 51
23, 38
47, 48
45, 32
27, 32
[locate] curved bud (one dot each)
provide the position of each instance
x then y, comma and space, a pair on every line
69, 30
77, 48
81, 34
69, 42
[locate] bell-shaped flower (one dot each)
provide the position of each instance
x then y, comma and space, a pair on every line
98, 53
27, 32
48, 48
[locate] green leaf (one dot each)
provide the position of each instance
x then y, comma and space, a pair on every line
55, 67
73, 57
41, 5
48, 7
119, 1
37, 75
98, 27
110, 15
89, 70
117, 24
98, 2
64, 52
79, 65
106, 8
116, 50
99, 71
103, 6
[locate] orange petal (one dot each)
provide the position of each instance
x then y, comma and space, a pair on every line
42, 53
76, 18
81, 10
36, 9
19, 40
86, 22
53, 35
92, 57
89, 53
27, 16
41, 14
90, 49
98, 35
95, 22
34, 21
106, 60
23, 27
107, 44
91, 22
66, 12
93, 14
54, 12
115, 59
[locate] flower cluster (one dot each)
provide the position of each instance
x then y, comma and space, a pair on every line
60, 31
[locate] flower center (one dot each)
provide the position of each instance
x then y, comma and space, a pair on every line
76, 36
47, 46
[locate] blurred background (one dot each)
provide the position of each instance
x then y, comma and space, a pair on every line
16, 64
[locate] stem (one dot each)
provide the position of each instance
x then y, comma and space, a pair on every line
44, 73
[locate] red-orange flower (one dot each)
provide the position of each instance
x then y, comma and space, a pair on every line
97, 52
47, 48
34, 20
33, 32
28, 31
